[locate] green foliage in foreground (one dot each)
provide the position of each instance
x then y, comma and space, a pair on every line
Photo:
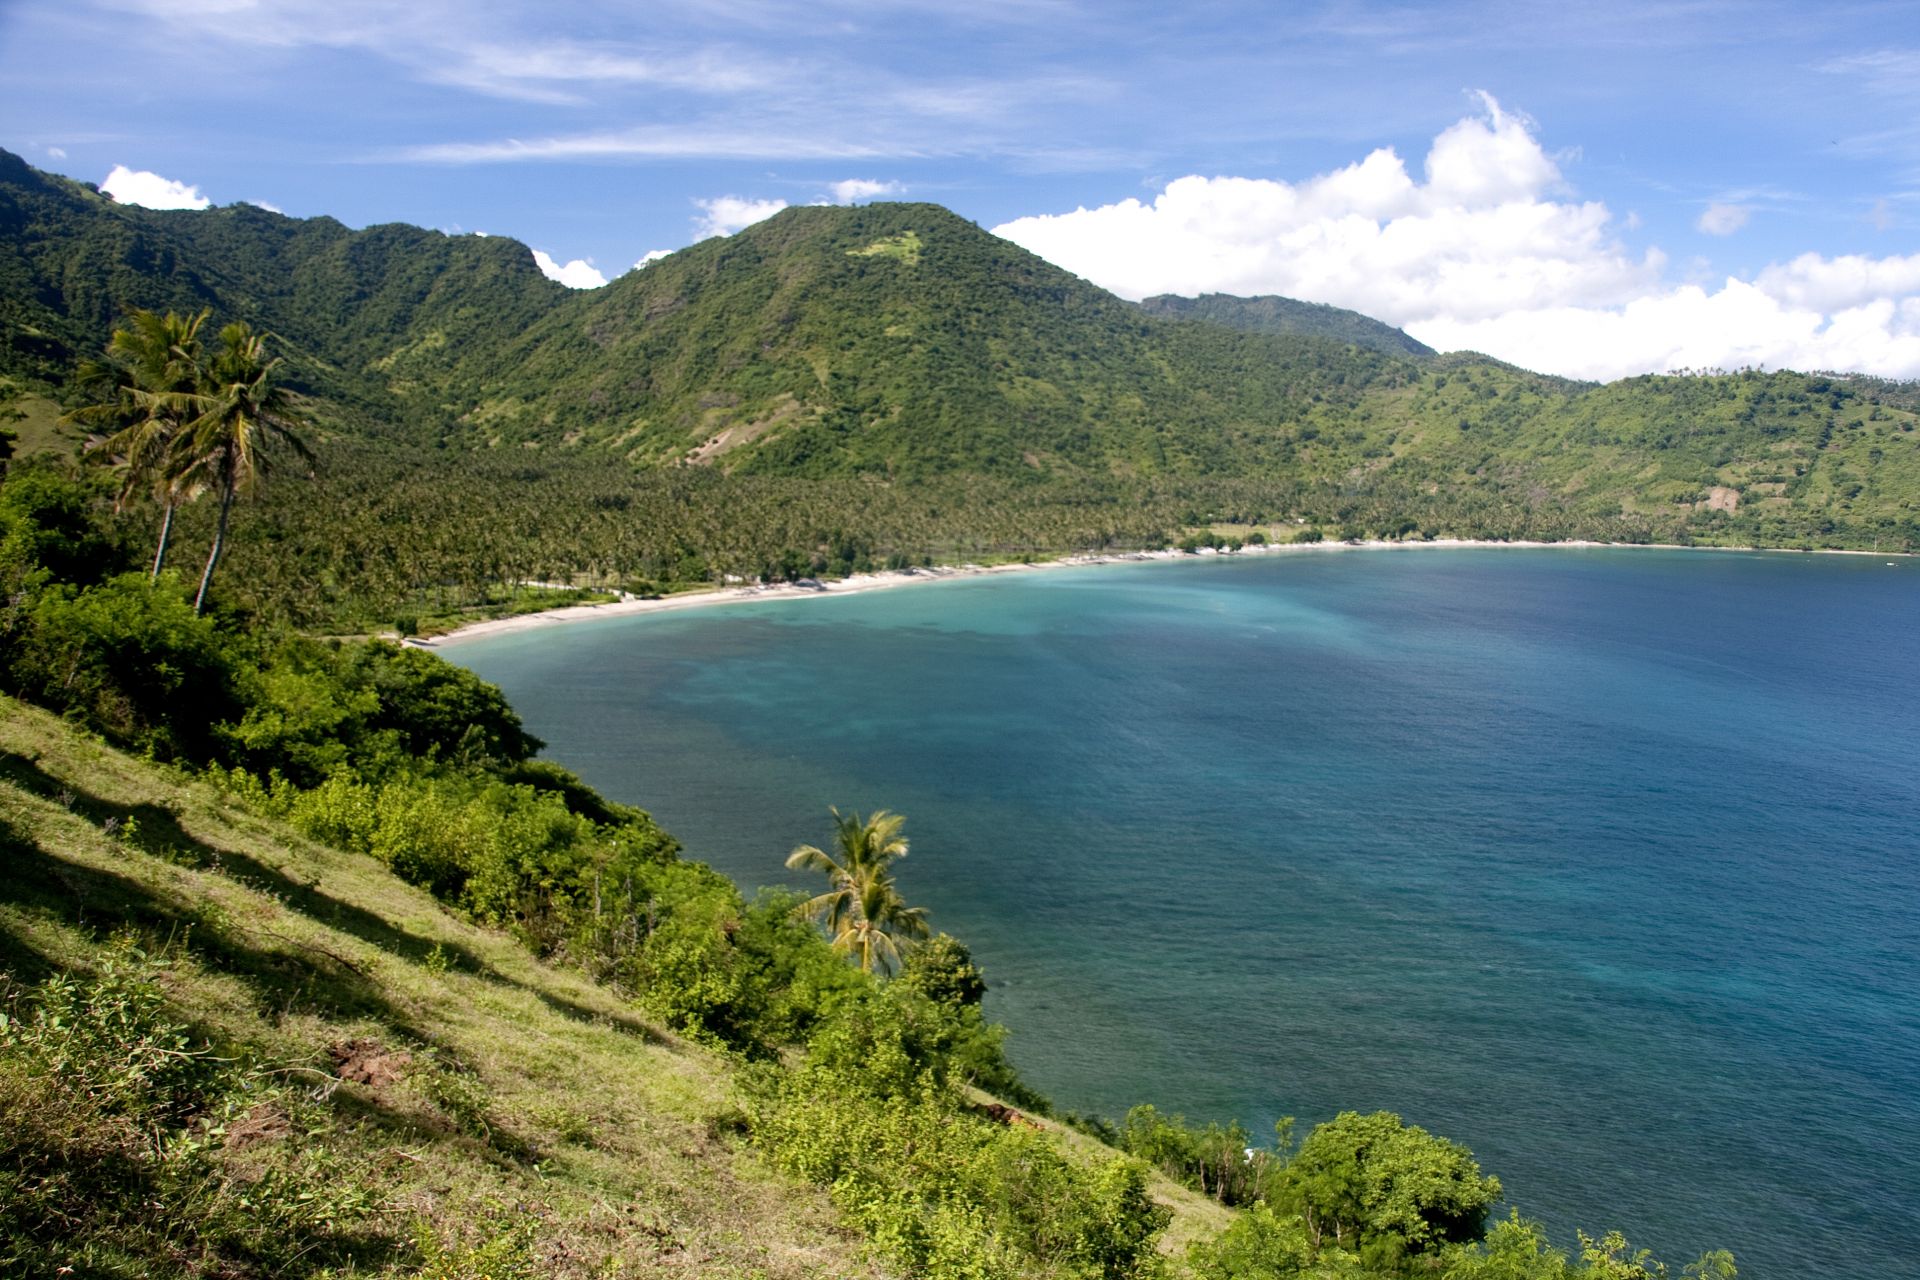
941, 1189
125, 1143
117, 1118
467, 1110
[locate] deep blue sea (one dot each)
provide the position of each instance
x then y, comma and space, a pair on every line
1605, 863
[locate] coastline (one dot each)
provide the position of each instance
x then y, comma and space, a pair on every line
887, 579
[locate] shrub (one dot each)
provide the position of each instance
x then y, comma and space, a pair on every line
1384, 1189
128, 659
942, 969
940, 1189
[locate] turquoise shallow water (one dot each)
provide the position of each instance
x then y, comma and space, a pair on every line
1602, 862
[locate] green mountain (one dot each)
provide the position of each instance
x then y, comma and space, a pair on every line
842, 387
896, 338
900, 339
1270, 313
73, 262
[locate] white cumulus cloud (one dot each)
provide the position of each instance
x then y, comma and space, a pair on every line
1832, 284
577, 274
724, 215
1737, 325
853, 190
651, 256
150, 190
1723, 219
58, 153
1488, 250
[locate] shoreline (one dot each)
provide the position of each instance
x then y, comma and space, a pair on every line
888, 579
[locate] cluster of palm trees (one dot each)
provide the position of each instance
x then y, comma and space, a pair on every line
181, 421
862, 909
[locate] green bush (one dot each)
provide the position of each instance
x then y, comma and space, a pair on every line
311, 708
940, 1188
942, 969
49, 525
1266, 1244
128, 659
1369, 1188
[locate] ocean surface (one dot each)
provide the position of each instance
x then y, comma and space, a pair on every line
1605, 863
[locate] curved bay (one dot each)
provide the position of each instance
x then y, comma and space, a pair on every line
1602, 862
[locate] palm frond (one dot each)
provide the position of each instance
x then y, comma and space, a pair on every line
863, 912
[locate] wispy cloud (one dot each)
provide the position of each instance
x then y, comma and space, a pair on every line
647, 142
1893, 77
567, 72
988, 99
1719, 219
854, 190
737, 79
1893, 72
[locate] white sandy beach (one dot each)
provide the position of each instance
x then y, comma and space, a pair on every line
816, 589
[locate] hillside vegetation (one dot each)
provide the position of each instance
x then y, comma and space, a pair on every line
840, 388
1272, 314
342, 978
371, 1081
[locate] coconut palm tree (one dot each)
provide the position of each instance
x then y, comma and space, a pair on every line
147, 389
243, 411
862, 909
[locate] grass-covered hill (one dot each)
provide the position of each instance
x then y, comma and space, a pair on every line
901, 340
1272, 314
374, 1082
841, 388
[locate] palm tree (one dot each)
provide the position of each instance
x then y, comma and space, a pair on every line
243, 409
862, 910
147, 387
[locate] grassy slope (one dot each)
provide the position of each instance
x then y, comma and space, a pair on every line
41, 430
608, 1132
302, 947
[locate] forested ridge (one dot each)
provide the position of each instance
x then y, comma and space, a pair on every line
840, 388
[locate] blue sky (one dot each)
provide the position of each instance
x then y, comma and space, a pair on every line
1597, 189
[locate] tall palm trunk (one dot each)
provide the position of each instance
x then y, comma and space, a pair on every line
219, 539
160, 553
